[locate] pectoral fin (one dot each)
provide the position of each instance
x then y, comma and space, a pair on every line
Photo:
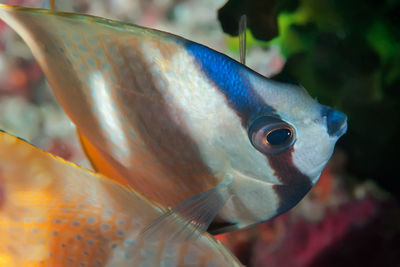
194, 215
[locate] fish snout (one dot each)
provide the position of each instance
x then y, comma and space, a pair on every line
336, 121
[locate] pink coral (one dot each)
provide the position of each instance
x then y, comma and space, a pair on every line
303, 241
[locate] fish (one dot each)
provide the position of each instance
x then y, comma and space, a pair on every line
55, 213
186, 126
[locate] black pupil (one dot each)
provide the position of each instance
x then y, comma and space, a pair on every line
278, 137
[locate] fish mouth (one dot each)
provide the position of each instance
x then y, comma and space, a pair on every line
336, 121
342, 130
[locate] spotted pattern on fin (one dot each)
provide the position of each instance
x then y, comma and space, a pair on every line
58, 214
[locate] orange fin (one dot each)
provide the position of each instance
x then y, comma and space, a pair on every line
55, 213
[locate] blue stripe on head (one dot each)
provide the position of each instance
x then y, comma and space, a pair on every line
229, 77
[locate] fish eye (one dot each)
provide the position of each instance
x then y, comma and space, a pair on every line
278, 136
271, 135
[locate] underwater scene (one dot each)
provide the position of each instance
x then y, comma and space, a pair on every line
199, 133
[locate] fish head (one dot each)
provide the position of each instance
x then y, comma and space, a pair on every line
267, 130
291, 139
273, 138
298, 135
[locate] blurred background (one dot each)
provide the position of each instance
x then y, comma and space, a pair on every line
346, 53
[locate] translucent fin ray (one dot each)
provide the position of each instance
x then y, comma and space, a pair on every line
194, 214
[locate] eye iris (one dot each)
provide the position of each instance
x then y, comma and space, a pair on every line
278, 137
271, 135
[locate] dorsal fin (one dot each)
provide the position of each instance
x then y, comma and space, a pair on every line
242, 38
